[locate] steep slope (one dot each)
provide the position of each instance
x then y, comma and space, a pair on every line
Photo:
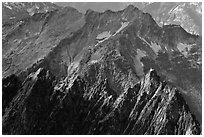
91, 55
15, 11
32, 39
91, 106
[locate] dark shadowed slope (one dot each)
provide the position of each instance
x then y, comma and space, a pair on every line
92, 106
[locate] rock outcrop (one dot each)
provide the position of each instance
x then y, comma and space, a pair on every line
65, 72
149, 107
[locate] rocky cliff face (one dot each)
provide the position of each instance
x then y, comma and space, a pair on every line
92, 106
65, 72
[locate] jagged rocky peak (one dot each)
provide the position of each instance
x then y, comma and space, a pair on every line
91, 16
90, 11
89, 74
96, 109
158, 102
151, 78
152, 73
130, 8
127, 14
40, 73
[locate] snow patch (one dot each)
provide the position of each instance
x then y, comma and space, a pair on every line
35, 76
12, 17
123, 25
123, 18
103, 35
37, 7
107, 34
138, 64
144, 40
94, 61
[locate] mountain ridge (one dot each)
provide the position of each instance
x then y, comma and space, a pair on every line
110, 114
117, 48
